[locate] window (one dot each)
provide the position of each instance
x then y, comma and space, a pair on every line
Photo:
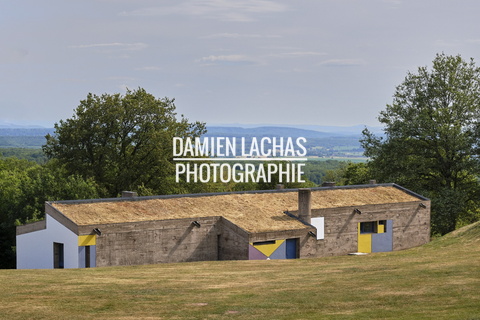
368, 227
58, 255
382, 226
260, 243
87, 257
373, 226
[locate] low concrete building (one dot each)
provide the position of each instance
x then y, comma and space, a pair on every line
276, 224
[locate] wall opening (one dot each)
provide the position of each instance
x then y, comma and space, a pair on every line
87, 257
58, 255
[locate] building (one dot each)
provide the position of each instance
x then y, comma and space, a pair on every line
276, 224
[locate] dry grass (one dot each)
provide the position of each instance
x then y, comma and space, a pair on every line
440, 280
252, 212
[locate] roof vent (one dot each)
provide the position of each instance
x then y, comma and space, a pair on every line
128, 194
328, 184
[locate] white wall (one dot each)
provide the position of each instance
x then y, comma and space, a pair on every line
35, 249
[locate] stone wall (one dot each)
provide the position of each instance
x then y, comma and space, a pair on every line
411, 226
156, 242
165, 241
232, 241
218, 239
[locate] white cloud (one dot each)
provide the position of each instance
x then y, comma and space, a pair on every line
114, 45
121, 78
473, 41
149, 68
343, 62
224, 10
233, 59
239, 36
297, 54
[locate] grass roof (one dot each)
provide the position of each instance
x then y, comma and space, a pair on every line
254, 212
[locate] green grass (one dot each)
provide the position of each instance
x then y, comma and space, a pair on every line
440, 280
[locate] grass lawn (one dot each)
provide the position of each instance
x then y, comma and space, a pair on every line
440, 280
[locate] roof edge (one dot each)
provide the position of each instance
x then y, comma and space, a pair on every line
195, 195
410, 192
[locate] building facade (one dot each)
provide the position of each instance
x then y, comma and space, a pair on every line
275, 224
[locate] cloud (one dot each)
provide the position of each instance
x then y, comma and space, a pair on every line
298, 54
474, 41
114, 45
149, 68
239, 36
343, 63
121, 78
223, 10
233, 59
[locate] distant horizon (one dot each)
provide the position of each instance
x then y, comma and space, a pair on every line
6, 124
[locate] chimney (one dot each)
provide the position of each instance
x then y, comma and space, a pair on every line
128, 194
304, 204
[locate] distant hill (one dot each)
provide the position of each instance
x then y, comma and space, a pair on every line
319, 144
213, 131
23, 132
337, 142
335, 130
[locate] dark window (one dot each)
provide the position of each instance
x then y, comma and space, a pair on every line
87, 257
261, 243
58, 255
368, 227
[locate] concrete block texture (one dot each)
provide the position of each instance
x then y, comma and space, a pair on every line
411, 226
158, 242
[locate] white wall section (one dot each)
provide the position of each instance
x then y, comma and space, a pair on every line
35, 249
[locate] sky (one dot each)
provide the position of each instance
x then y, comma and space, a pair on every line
309, 62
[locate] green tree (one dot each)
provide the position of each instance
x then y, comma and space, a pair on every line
432, 134
356, 173
24, 188
124, 142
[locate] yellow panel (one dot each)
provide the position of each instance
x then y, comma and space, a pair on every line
268, 249
364, 241
89, 240
380, 228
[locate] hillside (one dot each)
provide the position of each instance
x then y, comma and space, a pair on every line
440, 280
264, 132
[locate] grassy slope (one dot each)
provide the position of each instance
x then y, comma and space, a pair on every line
440, 280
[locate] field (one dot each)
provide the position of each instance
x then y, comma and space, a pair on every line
440, 280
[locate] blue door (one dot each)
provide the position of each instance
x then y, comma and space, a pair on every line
292, 248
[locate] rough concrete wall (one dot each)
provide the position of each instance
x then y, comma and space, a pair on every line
156, 242
411, 226
232, 241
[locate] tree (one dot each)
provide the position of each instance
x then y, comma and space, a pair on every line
123, 142
24, 188
432, 134
356, 173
